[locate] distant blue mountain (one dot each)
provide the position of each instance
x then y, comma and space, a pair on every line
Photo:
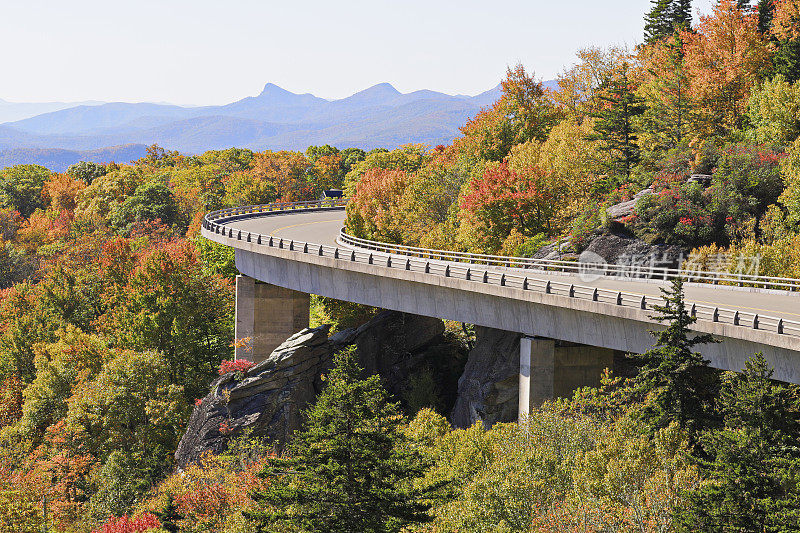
59, 160
11, 111
379, 116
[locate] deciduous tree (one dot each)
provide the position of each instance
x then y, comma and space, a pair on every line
504, 200
21, 188
724, 59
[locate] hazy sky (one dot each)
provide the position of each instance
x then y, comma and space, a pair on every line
210, 52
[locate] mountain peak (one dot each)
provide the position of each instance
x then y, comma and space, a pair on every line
270, 89
379, 94
385, 89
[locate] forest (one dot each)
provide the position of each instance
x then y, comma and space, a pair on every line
103, 353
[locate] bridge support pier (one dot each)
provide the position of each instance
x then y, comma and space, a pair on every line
548, 371
266, 315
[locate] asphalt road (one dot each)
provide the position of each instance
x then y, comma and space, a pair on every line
322, 227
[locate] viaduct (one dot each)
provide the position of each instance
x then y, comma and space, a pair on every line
571, 320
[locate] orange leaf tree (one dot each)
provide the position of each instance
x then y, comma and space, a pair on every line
504, 200
724, 59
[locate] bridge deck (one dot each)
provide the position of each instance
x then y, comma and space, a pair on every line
322, 227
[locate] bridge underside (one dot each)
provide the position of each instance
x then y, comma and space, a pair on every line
531, 314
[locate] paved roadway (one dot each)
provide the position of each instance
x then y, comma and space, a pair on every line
322, 227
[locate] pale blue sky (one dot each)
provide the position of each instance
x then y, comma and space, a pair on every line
211, 52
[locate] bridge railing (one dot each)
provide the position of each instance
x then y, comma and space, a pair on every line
399, 258
253, 210
635, 271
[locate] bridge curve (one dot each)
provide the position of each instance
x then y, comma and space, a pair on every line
299, 247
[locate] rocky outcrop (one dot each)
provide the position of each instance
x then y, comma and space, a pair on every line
489, 386
618, 249
627, 208
270, 397
394, 346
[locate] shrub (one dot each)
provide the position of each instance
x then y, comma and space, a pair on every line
124, 524
745, 183
237, 365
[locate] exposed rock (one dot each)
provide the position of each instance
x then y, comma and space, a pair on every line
623, 209
391, 345
270, 397
556, 251
488, 389
630, 251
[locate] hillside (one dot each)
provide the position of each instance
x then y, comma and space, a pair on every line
59, 160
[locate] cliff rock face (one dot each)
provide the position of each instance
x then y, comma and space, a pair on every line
488, 389
270, 397
393, 345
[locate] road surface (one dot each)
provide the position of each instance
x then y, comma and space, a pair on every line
322, 227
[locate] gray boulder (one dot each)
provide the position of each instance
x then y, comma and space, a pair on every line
629, 251
623, 209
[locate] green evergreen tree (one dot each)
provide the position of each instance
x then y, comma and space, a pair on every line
351, 469
786, 59
169, 516
675, 382
665, 17
665, 121
614, 124
755, 472
766, 10
681, 14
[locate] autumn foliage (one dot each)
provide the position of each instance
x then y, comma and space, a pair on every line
239, 365
115, 315
504, 200
124, 524
724, 59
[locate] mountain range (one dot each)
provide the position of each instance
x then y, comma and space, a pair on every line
380, 116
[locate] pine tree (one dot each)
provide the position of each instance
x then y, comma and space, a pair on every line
664, 90
169, 516
681, 14
754, 472
665, 17
614, 124
675, 382
766, 10
351, 468
656, 22
786, 60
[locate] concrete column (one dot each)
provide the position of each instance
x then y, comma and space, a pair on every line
266, 315
547, 371
536, 373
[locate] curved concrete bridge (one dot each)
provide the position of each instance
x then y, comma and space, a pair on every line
570, 325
